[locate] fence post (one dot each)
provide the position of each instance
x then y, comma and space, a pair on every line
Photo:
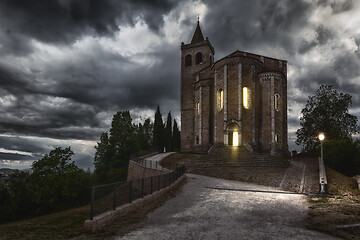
114, 198
151, 188
130, 192
92, 203
158, 182
142, 187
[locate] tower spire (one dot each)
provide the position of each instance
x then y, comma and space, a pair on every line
198, 36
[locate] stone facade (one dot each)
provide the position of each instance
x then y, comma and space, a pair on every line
239, 100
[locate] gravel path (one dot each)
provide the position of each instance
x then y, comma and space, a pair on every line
210, 208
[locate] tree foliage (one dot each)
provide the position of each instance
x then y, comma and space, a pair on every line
175, 140
327, 112
158, 140
55, 183
168, 132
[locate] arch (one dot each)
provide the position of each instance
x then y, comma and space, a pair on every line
233, 134
220, 99
277, 138
277, 102
198, 58
188, 60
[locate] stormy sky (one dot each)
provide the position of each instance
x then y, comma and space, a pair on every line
67, 66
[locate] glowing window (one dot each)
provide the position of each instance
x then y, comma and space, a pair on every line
198, 58
246, 96
188, 60
277, 102
235, 139
220, 99
198, 109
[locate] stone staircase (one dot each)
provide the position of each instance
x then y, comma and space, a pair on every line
230, 156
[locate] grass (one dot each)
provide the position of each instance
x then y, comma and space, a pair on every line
340, 207
62, 225
69, 224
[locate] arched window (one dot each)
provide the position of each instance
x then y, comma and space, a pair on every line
277, 138
220, 99
188, 60
210, 58
246, 97
198, 58
277, 102
198, 109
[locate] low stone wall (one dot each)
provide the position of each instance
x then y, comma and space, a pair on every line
100, 221
137, 171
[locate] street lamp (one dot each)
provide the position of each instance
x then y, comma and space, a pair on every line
321, 137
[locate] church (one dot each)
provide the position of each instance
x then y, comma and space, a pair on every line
239, 100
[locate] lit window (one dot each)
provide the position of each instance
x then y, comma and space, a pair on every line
188, 60
198, 109
220, 99
198, 58
277, 137
277, 102
246, 96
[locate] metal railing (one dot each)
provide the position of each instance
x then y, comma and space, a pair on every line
149, 163
108, 197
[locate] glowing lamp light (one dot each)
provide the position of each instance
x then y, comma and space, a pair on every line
321, 137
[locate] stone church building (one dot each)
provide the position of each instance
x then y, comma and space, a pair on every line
239, 100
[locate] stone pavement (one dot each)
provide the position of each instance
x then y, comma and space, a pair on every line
210, 208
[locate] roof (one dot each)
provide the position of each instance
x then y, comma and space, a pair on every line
198, 36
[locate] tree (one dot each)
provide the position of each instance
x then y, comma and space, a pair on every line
168, 132
158, 136
102, 156
175, 140
145, 136
123, 142
328, 112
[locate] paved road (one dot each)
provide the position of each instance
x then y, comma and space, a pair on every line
210, 208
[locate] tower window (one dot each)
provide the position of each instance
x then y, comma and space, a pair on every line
210, 58
198, 58
198, 109
246, 97
220, 99
188, 60
277, 138
277, 102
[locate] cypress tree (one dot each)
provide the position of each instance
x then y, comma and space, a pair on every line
158, 135
168, 132
175, 140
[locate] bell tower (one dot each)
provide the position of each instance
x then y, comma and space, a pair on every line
195, 56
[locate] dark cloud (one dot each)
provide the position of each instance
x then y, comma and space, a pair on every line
337, 6
65, 21
322, 36
248, 25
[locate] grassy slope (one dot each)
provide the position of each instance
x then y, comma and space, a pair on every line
341, 207
61, 225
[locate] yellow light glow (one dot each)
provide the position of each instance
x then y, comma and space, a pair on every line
221, 99
321, 136
245, 98
235, 139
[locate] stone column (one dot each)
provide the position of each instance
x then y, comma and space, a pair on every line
200, 115
215, 105
272, 93
239, 101
225, 105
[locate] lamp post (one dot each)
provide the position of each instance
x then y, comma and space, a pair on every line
321, 137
